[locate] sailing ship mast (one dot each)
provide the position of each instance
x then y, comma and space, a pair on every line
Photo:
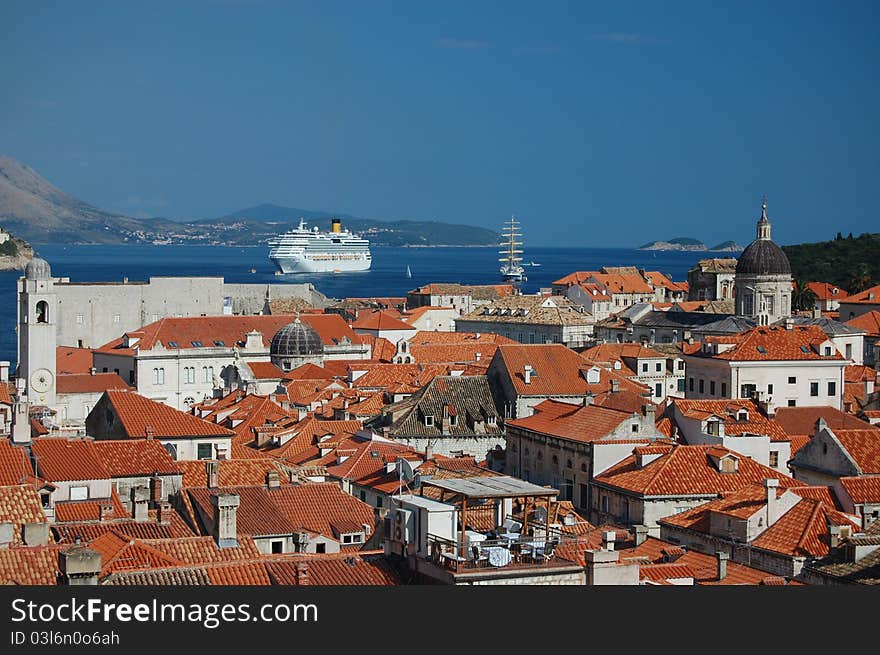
511, 270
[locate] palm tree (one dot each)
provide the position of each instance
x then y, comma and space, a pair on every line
803, 297
860, 279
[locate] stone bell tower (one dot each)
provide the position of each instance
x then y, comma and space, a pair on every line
37, 333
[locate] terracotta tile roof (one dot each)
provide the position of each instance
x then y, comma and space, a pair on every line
174, 529
174, 577
257, 514
869, 296
29, 566
864, 448
665, 426
87, 383
857, 373
380, 348
803, 530
476, 291
265, 370
824, 494
688, 470
231, 472
138, 413
204, 550
343, 569
379, 320
862, 489
60, 459
367, 458
530, 310
662, 572
380, 376
316, 506
73, 360
90, 510
308, 371
452, 353
802, 420
797, 442
15, 465
869, 322
826, 291
757, 422
370, 406
573, 422
623, 283
238, 574
126, 458
774, 343
741, 503
560, 371
20, 504
120, 552
611, 352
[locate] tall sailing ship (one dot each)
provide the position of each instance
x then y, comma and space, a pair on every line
303, 250
511, 269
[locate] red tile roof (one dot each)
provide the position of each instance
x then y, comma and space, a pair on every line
869, 322
728, 410
662, 572
573, 422
73, 360
379, 320
803, 530
316, 506
29, 566
127, 458
204, 550
15, 465
559, 371
120, 552
862, 489
802, 420
90, 510
265, 370
87, 383
868, 296
825, 494
863, 446
19, 505
688, 470
60, 459
238, 574
231, 472
342, 569
774, 343
826, 291
142, 417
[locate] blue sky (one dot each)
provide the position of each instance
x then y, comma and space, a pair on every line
606, 124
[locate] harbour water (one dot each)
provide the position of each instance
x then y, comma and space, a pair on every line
387, 277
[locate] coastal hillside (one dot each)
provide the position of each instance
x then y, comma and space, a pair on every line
39, 212
849, 262
14, 252
690, 244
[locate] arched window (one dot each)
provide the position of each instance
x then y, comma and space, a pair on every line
42, 312
568, 463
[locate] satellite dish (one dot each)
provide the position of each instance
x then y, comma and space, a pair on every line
406, 469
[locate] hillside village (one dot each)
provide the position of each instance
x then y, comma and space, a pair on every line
619, 428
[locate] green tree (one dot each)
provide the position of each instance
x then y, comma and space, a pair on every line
803, 297
860, 279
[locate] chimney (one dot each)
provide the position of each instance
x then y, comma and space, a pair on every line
833, 535
163, 513
225, 519
302, 573
212, 469
821, 424
615, 386
649, 411
262, 435
608, 537
527, 373
478, 356
721, 560
140, 502
869, 388
771, 485
93, 370
6, 531
817, 312
641, 534
35, 534
79, 565
789, 323
273, 480
155, 489
429, 452
588, 399
4, 371
106, 511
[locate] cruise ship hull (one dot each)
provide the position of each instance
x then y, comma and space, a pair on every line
301, 264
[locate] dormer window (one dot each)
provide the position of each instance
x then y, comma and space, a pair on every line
742, 415
173, 344
218, 342
827, 351
353, 538
453, 421
491, 419
196, 344
429, 421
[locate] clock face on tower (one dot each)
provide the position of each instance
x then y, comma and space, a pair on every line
41, 380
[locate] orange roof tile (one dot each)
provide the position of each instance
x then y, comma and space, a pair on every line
863, 446
379, 320
87, 383
825, 494
342, 569
126, 458
573, 422
869, 322
90, 510
60, 459
238, 574
204, 550
120, 552
774, 343
862, 489
231, 472
869, 296
29, 566
142, 417
803, 530
265, 370
688, 470
826, 291
15, 466
757, 422
802, 420
19, 505
73, 360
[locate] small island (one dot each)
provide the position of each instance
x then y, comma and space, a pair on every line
14, 253
690, 244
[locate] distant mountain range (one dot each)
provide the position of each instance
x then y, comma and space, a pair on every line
688, 243
37, 211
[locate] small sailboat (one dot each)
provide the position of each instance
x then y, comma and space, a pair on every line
408, 272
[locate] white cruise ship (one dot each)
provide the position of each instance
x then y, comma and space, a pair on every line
311, 251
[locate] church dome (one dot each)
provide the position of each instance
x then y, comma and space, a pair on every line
296, 339
38, 269
762, 256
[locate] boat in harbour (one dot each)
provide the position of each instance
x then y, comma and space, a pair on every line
303, 250
511, 269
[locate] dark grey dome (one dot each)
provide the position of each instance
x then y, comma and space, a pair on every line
763, 257
296, 339
38, 269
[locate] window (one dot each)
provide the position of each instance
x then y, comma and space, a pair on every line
131, 377
116, 318
681, 384
189, 374
204, 451
748, 304
219, 342
792, 402
691, 384
774, 458
173, 344
453, 421
659, 367
42, 312
711, 387
196, 344
158, 376
363, 496
644, 368
724, 389
814, 388
769, 389
849, 351
568, 463
491, 419
584, 497
429, 421
747, 390
792, 380
832, 388
681, 367
604, 503
702, 385
277, 547
79, 318
658, 389
584, 467
378, 501
205, 377
634, 427
79, 493
827, 351
321, 548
